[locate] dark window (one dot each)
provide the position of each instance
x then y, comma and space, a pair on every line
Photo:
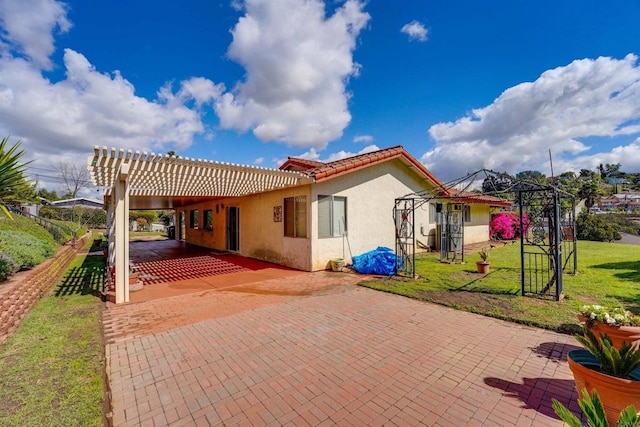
193, 218
295, 216
208, 220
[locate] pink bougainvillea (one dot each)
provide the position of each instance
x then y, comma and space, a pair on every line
506, 225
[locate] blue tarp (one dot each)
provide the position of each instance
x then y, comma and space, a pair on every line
378, 261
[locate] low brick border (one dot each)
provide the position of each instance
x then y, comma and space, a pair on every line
24, 294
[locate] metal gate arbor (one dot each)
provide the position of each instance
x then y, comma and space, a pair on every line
547, 243
452, 232
404, 219
547, 235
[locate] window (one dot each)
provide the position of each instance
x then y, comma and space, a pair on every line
466, 210
435, 208
332, 216
295, 216
193, 218
208, 220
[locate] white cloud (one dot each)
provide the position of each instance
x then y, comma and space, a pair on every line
313, 154
297, 63
65, 119
26, 28
415, 30
258, 161
363, 138
90, 107
587, 98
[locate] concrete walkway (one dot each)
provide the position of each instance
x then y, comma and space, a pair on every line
315, 349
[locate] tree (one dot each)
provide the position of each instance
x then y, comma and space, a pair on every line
532, 176
74, 178
568, 182
498, 183
588, 174
609, 170
589, 192
596, 228
51, 196
14, 187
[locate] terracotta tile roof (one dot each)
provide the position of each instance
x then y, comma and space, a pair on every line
469, 197
324, 171
298, 164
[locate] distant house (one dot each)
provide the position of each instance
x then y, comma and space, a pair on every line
78, 201
344, 209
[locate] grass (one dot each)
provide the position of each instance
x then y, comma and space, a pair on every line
51, 368
138, 236
608, 273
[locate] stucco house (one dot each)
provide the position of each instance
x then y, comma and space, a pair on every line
344, 208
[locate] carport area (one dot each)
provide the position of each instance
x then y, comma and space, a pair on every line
171, 267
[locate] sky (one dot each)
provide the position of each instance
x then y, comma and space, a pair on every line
462, 85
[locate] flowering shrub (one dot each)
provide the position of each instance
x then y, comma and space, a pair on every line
616, 316
506, 225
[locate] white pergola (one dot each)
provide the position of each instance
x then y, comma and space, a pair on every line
135, 180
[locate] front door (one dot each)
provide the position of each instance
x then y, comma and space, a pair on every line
233, 228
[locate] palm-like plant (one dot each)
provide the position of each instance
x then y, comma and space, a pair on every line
614, 362
593, 411
12, 181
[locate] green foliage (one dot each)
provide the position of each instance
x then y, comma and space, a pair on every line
7, 266
13, 185
623, 223
593, 410
608, 274
24, 249
596, 228
589, 191
614, 362
94, 218
150, 216
52, 365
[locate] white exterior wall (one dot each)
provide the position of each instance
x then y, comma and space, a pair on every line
370, 194
263, 238
260, 236
477, 230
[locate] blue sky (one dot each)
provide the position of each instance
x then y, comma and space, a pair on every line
462, 85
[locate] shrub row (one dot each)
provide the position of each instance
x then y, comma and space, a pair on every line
23, 245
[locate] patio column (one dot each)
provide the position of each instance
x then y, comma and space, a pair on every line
121, 246
111, 229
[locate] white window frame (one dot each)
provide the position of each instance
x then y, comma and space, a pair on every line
336, 222
299, 213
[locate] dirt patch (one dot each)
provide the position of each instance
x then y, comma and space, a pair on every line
485, 303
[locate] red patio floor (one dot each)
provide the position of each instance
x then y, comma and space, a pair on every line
171, 268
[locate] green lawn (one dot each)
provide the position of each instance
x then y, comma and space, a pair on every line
51, 368
608, 273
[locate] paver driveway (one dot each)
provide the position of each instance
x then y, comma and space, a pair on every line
335, 354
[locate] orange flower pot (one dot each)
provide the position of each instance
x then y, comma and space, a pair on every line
617, 334
483, 267
615, 393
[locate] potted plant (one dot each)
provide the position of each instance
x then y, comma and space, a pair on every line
483, 264
592, 408
619, 324
614, 373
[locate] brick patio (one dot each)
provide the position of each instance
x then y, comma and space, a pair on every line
315, 349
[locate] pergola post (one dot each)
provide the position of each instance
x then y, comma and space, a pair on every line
121, 246
111, 229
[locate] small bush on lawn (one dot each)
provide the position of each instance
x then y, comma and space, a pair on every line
596, 228
26, 250
7, 266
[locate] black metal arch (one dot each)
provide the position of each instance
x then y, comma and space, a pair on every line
547, 218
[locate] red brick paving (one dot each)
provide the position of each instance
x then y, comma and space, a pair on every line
313, 349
